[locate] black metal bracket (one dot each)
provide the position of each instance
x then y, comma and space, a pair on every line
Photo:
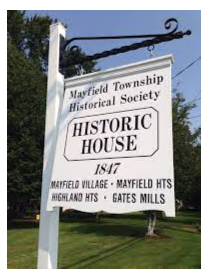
156, 39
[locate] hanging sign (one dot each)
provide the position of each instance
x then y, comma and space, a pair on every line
114, 148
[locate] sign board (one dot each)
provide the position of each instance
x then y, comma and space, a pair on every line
114, 148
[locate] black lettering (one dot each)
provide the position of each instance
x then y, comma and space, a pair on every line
131, 143
79, 129
143, 121
86, 145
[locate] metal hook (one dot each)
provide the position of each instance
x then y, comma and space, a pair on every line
150, 48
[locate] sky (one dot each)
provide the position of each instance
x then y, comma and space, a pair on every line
110, 23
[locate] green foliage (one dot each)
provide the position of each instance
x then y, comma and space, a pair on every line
26, 110
79, 69
187, 154
37, 39
28, 40
15, 27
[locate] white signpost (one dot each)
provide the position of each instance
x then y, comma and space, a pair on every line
49, 221
111, 148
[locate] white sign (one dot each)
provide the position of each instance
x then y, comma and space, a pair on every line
114, 149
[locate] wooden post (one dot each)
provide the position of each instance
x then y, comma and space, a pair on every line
49, 221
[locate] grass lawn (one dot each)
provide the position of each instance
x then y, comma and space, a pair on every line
114, 242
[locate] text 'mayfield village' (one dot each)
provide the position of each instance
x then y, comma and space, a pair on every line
114, 149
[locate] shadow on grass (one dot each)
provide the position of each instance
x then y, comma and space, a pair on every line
189, 213
182, 217
182, 230
22, 224
90, 260
91, 217
182, 220
108, 229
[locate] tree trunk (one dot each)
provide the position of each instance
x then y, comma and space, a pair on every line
152, 216
98, 216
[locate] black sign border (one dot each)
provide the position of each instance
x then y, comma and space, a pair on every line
86, 159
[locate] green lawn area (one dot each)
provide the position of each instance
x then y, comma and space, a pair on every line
114, 242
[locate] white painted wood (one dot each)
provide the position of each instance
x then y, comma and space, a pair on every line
138, 67
75, 172
49, 221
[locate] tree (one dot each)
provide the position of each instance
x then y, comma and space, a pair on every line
37, 39
28, 40
16, 28
187, 159
26, 109
79, 68
187, 153
36, 47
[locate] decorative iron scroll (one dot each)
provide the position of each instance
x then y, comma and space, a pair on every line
156, 39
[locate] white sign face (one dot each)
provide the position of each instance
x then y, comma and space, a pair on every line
114, 149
